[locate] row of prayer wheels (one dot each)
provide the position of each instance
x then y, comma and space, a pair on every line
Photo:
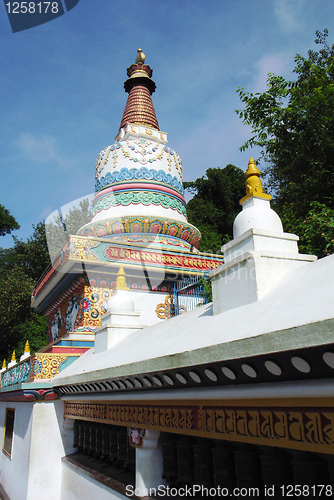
189, 461
108, 443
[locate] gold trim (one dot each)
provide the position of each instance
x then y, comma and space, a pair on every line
293, 423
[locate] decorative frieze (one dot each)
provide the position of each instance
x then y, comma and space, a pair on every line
303, 424
47, 365
18, 374
168, 259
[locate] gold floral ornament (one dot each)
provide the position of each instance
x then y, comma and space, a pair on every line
121, 283
167, 310
253, 183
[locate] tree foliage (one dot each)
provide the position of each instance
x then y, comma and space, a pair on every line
20, 267
215, 205
8, 223
16, 316
31, 256
59, 228
293, 123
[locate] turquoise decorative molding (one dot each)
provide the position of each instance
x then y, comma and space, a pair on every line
144, 173
16, 375
136, 197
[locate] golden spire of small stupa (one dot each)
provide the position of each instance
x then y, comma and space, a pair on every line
121, 279
13, 356
4, 364
27, 347
253, 183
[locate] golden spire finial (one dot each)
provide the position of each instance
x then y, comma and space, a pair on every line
13, 356
4, 364
253, 183
27, 347
121, 280
140, 59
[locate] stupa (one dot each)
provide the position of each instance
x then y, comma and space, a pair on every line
139, 226
233, 398
139, 196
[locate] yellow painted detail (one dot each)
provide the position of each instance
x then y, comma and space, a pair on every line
121, 283
4, 365
253, 183
27, 347
13, 356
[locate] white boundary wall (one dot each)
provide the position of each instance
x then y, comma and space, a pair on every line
75, 484
39, 442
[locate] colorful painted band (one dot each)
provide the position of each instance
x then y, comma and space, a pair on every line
139, 186
139, 225
140, 197
142, 173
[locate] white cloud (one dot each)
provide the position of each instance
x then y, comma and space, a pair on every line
41, 149
288, 14
276, 63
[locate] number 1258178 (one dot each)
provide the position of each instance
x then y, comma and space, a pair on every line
32, 7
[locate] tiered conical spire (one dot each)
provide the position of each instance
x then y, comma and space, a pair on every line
139, 108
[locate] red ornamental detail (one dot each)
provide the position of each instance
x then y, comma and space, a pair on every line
136, 436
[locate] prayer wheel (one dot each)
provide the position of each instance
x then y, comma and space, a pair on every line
76, 434
113, 445
92, 439
169, 457
248, 467
105, 451
310, 470
276, 470
203, 472
122, 441
98, 441
81, 426
223, 465
185, 461
86, 439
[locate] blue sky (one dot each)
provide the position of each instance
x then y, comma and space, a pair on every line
63, 98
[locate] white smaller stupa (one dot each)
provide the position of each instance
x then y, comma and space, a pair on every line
259, 255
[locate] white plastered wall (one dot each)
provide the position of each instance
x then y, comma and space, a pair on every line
77, 485
39, 442
15, 470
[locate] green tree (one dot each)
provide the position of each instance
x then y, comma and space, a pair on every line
31, 256
18, 322
60, 228
20, 267
215, 205
8, 223
293, 124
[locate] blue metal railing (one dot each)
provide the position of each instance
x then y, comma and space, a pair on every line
189, 293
